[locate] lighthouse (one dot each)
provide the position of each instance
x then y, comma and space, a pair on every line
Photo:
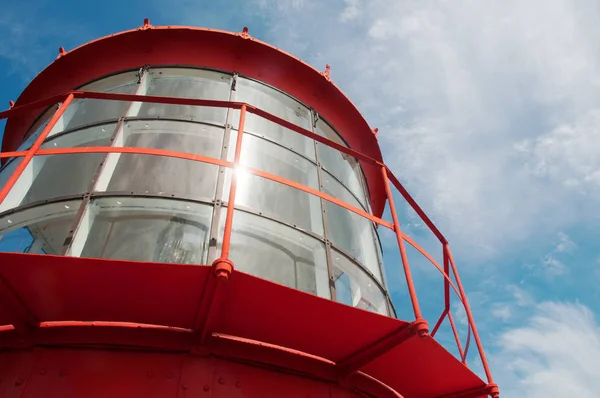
187, 212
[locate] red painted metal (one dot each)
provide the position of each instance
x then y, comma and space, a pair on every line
290, 322
409, 282
245, 318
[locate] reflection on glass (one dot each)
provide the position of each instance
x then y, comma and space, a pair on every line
278, 104
277, 200
344, 167
8, 169
49, 177
348, 230
162, 174
83, 112
147, 229
38, 126
98, 135
354, 287
188, 83
278, 253
42, 229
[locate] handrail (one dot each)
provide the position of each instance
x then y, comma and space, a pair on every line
388, 176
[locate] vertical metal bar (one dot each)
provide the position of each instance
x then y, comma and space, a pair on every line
233, 188
484, 361
446, 280
398, 231
455, 332
439, 322
328, 256
34, 148
218, 198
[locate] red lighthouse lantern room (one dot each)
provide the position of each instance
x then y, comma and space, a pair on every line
188, 212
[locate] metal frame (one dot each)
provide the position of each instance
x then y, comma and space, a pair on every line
223, 267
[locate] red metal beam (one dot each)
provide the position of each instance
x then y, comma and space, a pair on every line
368, 354
415, 206
405, 265
484, 361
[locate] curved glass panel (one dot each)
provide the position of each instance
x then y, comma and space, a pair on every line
41, 229
98, 135
38, 126
344, 167
278, 253
187, 83
49, 177
114, 82
161, 174
278, 104
8, 169
146, 229
197, 138
348, 230
278, 200
354, 287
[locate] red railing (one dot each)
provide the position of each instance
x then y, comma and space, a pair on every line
223, 266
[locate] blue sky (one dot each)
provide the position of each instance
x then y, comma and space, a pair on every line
487, 111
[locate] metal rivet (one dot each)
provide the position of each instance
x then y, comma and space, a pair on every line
221, 380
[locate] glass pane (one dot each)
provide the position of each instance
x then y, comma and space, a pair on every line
278, 104
201, 139
342, 166
83, 112
348, 230
278, 253
188, 83
99, 135
162, 174
111, 83
276, 200
48, 177
354, 287
272, 101
147, 229
38, 126
41, 229
8, 169
275, 133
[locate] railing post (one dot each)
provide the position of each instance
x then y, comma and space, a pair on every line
400, 239
34, 148
484, 362
223, 267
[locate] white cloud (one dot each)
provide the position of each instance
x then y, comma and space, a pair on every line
488, 111
502, 311
556, 353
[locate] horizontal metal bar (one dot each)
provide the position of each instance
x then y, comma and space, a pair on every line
320, 194
415, 206
20, 109
135, 150
12, 154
